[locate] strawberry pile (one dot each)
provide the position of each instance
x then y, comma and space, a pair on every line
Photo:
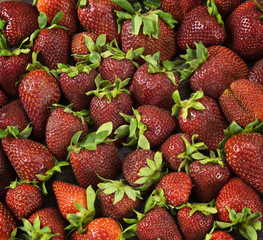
131, 119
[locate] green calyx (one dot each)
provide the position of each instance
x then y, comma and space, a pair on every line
135, 131
106, 89
213, 12
191, 149
34, 231
152, 173
14, 132
119, 189
260, 8
16, 183
245, 223
191, 60
186, 104
93, 139
85, 215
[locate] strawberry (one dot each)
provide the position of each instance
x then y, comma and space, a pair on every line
195, 220
7, 222
225, 7
243, 155
97, 153
219, 235
201, 24
62, 124
149, 126
242, 102
256, 72
201, 115
13, 114
18, 21
212, 69
51, 43
23, 199
154, 84
51, 8
3, 98
99, 17
245, 37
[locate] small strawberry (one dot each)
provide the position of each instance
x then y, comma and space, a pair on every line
256, 72
219, 235
7, 222
3, 98
225, 7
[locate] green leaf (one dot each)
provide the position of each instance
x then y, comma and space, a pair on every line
213, 11
136, 24
57, 18
122, 131
143, 142
42, 20
148, 26
167, 18
2, 24
101, 40
75, 138
125, 5
105, 127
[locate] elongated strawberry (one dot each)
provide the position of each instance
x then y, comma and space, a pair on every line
256, 72
7, 222
225, 7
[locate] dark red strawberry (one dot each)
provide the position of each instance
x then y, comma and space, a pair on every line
23, 199
13, 114
7, 222
246, 37
62, 124
219, 235
226, 7
256, 72
19, 20
3, 98
201, 24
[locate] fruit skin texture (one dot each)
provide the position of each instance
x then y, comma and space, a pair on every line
158, 223
153, 88
199, 26
99, 17
74, 89
27, 157
221, 68
151, 45
246, 37
236, 195
194, 227
209, 123
24, 200
61, 127
21, 21
177, 188
51, 217
7, 222
256, 73
11, 69
172, 147
87, 164
242, 102
38, 91
99, 229
225, 7
244, 156
208, 179
220, 235
3, 98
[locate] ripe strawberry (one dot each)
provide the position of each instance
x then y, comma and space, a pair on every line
245, 37
3, 98
225, 7
244, 156
201, 24
97, 153
13, 114
23, 199
62, 124
99, 17
153, 84
201, 115
219, 235
7, 222
242, 102
19, 20
256, 72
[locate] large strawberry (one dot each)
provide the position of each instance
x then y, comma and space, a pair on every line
256, 72
225, 7
242, 102
201, 24
7, 222
246, 37
18, 20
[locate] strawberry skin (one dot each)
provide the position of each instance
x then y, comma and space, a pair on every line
220, 235
7, 222
244, 156
237, 195
3, 98
226, 7
256, 73
44, 89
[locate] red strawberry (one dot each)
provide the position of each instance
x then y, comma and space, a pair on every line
13, 114
3, 98
7, 222
244, 156
201, 24
256, 72
225, 7
62, 124
219, 235
23, 199
20, 20
245, 37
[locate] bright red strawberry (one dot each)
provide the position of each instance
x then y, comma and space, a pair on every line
256, 72
23, 199
13, 114
244, 156
7, 222
62, 124
20, 20
246, 37
226, 7
219, 235
201, 24
3, 98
